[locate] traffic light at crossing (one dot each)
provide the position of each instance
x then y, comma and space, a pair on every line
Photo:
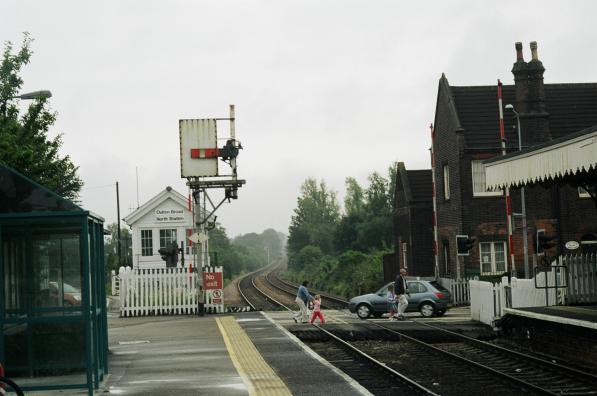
170, 254
464, 244
544, 242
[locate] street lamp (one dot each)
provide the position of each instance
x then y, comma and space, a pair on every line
522, 200
34, 95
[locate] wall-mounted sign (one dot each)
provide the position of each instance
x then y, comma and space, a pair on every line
572, 245
212, 280
169, 215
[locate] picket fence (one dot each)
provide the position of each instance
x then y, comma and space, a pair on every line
158, 291
459, 288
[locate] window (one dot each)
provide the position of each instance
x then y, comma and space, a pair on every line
404, 255
446, 182
479, 188
493, 257
146, 243
416, 287
166, 237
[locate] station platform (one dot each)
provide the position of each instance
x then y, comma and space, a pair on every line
581, 316
236, 354
248, 353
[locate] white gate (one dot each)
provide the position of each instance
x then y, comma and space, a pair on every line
160, 291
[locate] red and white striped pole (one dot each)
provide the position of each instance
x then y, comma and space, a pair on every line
508, 201
435, 241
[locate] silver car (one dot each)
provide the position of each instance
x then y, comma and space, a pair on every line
428, 297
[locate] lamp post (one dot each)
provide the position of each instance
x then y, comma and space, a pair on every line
522, 200
34, 95
267, 250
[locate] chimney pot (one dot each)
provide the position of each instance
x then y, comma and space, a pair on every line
518, 46
534, 50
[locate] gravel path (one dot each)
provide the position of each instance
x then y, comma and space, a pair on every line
231, 295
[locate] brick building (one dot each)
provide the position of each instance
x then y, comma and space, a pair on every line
413, 221
466, 133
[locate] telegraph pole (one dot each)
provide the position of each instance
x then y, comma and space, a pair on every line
118, 217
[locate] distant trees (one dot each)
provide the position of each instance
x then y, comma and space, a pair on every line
111, 248
342, 252
245, 253
24, 142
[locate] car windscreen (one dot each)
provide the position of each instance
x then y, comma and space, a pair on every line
438, 286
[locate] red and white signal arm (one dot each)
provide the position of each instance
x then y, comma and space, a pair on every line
198, 148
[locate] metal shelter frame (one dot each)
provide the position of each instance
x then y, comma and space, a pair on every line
49, 342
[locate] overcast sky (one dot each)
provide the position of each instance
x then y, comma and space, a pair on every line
324, 89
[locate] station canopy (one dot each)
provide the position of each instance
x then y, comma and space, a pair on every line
572, 157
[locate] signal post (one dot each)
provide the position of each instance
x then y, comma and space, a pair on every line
200, 162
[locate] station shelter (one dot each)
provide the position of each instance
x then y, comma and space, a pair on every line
53, 321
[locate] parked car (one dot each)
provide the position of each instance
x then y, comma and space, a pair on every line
428, 297
71, 296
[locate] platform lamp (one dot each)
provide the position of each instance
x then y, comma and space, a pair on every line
522, 200
34, 95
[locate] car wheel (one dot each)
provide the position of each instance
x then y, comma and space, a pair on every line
440, 312
427, 309
363, 311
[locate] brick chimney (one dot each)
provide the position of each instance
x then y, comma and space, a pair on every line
521, 80
536, 88
530, 97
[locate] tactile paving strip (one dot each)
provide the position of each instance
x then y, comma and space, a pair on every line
259, 377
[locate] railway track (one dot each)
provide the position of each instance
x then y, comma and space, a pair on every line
256, 298
264, 290
370, 373
432, 370
550, 377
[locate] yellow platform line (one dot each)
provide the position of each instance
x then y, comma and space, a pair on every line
257, 375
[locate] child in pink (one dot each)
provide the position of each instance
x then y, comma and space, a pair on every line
317, 310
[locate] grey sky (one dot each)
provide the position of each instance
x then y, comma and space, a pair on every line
327, 89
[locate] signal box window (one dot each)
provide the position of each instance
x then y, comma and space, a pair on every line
167, 237
146, 243
493, 257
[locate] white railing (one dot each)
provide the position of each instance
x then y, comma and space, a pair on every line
164, 291
459, 288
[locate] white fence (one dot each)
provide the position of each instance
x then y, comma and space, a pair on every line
459, 288
488, 300
163, 291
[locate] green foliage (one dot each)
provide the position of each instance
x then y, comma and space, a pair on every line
24, 142
314, 220
111, 248
244, 253
360, 237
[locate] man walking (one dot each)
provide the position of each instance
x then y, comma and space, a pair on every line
401, 288
302, 298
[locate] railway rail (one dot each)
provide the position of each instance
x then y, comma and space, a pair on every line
263, 289
550, 377
372, 374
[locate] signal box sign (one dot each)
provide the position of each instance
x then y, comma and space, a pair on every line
212, 280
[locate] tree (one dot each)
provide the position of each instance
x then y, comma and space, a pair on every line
111, 248
24, 142
314, 220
